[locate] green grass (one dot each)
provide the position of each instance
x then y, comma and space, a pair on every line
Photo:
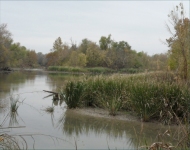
81, 70
151, 96
72, 94
66, 69
98, 70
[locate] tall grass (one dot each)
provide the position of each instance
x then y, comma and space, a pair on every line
72, 94
151, 96
14, 104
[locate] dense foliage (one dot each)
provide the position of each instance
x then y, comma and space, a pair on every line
179, 53
14, 54
108, 54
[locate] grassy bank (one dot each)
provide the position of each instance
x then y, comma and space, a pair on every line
99, 70
153, 96
160, 97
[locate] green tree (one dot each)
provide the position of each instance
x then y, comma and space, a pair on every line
121, 45
179, 53
18, 54
5, 44
105, 42
31, 59
93, 55
58, 45
77, 59
84, 45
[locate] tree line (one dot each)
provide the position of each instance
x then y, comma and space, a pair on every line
14, 54
107, 53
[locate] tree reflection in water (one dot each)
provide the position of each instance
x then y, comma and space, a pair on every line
74, 124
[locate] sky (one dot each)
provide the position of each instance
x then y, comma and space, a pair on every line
37, 24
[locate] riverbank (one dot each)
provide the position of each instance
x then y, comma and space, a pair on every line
153, 96
102, 113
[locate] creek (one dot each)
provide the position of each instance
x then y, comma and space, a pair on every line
62, 129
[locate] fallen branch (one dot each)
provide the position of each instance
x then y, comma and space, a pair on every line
51, 92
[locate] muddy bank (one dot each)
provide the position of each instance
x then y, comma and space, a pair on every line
98, 112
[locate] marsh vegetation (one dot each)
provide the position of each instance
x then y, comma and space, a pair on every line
158, 94
108, 132
153, 96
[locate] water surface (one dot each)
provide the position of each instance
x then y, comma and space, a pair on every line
62, 129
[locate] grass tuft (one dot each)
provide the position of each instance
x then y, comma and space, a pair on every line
49, 109
14, 104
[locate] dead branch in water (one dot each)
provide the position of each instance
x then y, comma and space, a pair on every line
50, 92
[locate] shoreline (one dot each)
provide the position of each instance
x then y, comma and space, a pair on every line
121, 116
102, 113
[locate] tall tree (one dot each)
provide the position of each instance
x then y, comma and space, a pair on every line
31, 59
179, 40
105, 42
93, 55
18, 55
84, 45
58, 45
5, 44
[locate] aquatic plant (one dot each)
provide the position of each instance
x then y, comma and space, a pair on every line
73, 93
152, 96
14, 103
49, 109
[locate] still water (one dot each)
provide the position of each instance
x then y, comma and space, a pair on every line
62, 129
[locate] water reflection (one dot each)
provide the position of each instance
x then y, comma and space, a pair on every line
75, 124
15, 79
51, 113
10, 83
57, 80
12, 119
70, 123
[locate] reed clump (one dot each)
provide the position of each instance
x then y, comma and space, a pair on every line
151, 96
72, 93
49, 109
14, 104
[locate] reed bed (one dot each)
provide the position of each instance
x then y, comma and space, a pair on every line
14, 104
156, 96
66, 69
96, 70
153, 96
